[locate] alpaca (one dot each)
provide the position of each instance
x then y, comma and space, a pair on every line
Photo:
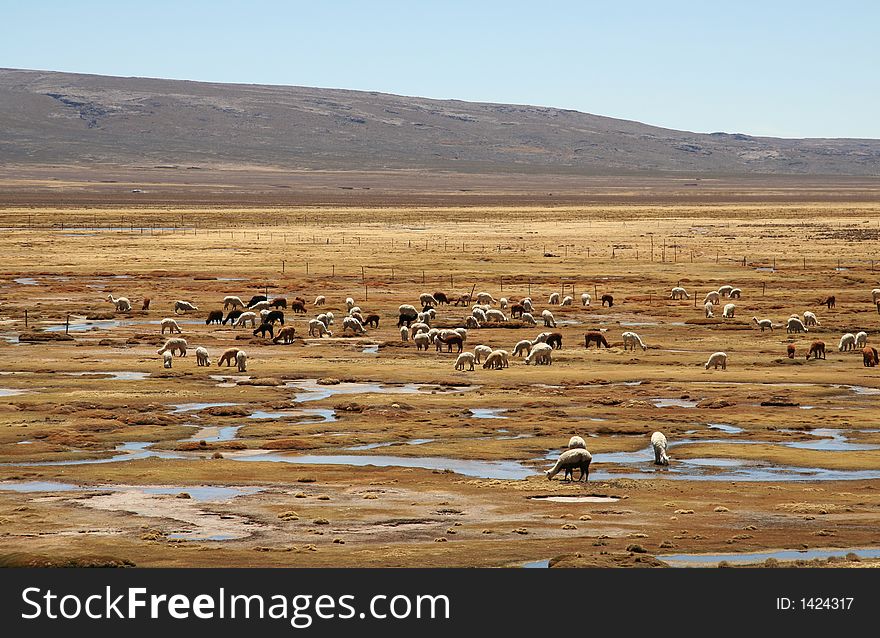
418, 327
870, 357
441, 298
830, 302
285, 335
608, 299
847, 342
273, 316
596, 337
554, 299
527, 318
479, 315
630, 339
245, 317
215, 316
465, 358
485, 298
728, 311
516, 310
791, 350
566, 301
320, 300
577, 442
422, 341
407, 314
184, 307
463, 300
494, 361
861, 339
146, 304
763, 324
228, 357
350, 323
527, 304
404, 333
356, 310
679, 293
171, 325
326, 318
232, 317
241, 361
585, 299
549, 321
495, 316
461, 332
717, 359
449, 340
233, 302
318, 329
174, 345
541, 338
349, 303
202, 357
471, 322
575, 458
263, 328
481, 352
810, 319
875, 295
659, 443
278, 302
522, 348
167, 358
794, 324
122, 303
714, 297
817, 350
256, 299
427, 299
298, 307
736, 293
503, 303
554, 340
542, 353
259, 306
372, 321
709, 307
725, 291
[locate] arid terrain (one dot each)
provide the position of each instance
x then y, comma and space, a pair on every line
363, 451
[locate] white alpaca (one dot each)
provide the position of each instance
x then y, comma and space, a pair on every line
763, 324
461, 332
417, 327
246, 317
481, 352
541, 353
577, 458
495, 316
861, 339
527, 304
847, 342
577, 442
264, 314
404, 333
424, 317
717, 359
349, 302
122, 303
630, 339
875, 295
427, 299
729, 310
465, 358
241, 361
168, 358
170, 325
810, 319
174, 345
485, 298
541, 338
736, 293
709, 307
566, 301
184, 307
549, 321
355, 310
350, 323
794, 324
260, 305
713, 297
422, 341
495, 360
725, 291
554, 299
320, 300
502, 303
527, 317
202, 357
658, 442
232, 302
326, 318
479, 315
472, 322
679, 293
522, 348
585, 299
318, 328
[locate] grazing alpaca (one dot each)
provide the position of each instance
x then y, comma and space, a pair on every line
495, 361
215, 316
790, 349
554, 340
465, 358
630, 339
527, 304
847, 342
184, 307
232, 317
725, 291
830, 302
233, 302
146, 304
577, 442
350, 323
794, 324
817, 350
503, 303
407, 314
578, 458
318, 329
495, 315
167, 358
273, 316
554, 299
522, 348
875, 295
260, 306
349, 303
171, 325
372, 321
285, 335
549, 321
717, 359
427, 300
658, 442
481, 352
527, 317
714, 297
441, 298
256, 299
729, 310
566, 301
326, 318
450, 340
485, 298
586, 299
228, 357
404, 333
122, 303
596, 337
320, 300
763, 324
870, 357
241, 361
679, 293
516, 310
244, 317
263, 329
861, 339
736, 293
202, 357
608, 299
810, 319
709, 308
278, 302
479, 315
542, 353
174, 345
422, 341
298, 307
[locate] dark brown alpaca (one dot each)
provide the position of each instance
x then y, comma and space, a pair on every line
372, 321
298, 306
596, 337
275, 315
215, 316
232, 316
516, 310
280, 302
817, 350
870, 358
449, 341
263, 329
609, 299
831, 302
791, 350
146, 304
554, 340
441, 298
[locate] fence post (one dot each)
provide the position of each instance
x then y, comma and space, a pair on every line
25, 318
67, 324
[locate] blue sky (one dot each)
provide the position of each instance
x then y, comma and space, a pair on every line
783, 68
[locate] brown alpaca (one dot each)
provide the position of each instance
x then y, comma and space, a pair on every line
791, 350
298, 307
373, 321
554, 340
449, 341
228, 356
441, 298
878, 307
516, 311
817, 350
609, 299
870, 357
146, 304
285, 334
831, 302
598, 337
215, 316
279, 302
